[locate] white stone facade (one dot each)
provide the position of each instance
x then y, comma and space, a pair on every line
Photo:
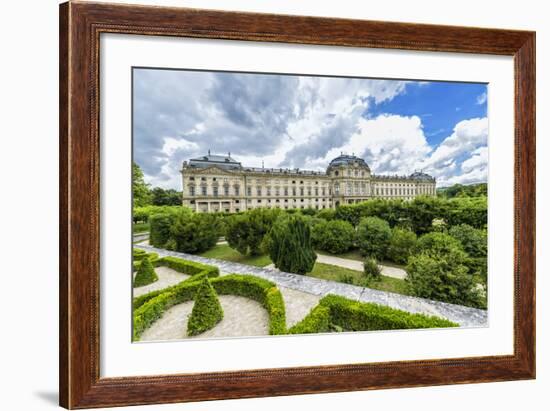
219, 183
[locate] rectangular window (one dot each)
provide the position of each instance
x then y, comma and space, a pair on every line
226, 190
258, 191
191, 190
301, 191
203, 190
237, 190
286, 191
249, 191
215, 191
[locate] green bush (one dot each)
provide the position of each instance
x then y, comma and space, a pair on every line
371, 269
289, 245
245, 232
373, 237
335, 236
352, 315
142, 214
207, 310
145, 274
473, 240
193, 232
159, 228
402, 245
317, 321
327, 214
442, 277
440, 244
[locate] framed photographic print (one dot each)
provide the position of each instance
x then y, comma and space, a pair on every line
259, 205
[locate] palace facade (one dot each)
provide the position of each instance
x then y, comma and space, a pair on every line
220, 183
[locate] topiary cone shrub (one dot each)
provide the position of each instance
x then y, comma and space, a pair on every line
207, 310
289, 245
146, 273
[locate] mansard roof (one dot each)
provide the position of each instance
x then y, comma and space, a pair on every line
225, 162
419, 175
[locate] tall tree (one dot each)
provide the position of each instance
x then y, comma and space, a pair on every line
140, 189
289, 245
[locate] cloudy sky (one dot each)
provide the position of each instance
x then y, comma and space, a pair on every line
301, 121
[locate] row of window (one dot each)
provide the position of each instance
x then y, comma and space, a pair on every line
258, 181
259, 192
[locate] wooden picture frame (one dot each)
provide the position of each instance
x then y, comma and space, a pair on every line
80, 27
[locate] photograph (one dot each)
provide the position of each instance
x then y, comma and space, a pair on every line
270, 204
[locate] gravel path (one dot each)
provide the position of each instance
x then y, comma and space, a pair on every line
242, 317
167, 277
358, 265
297, 304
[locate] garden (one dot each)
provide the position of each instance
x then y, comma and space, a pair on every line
432, 248
201, 290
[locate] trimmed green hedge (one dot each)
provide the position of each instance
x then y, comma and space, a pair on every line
207, 310
187, 267
263, 291
357, 316
197, 271
317, 321
150, 307
332, 313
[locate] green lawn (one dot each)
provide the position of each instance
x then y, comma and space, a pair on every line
356, 255
320, 270
140, 228
334, 273
224, 252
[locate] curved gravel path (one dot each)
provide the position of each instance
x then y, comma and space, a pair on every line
242, 317
167, 277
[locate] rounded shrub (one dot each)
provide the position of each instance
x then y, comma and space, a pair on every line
473, 240
145, 274
371, 269
193, 232
159, 228
443, 278
335, 236
207, 310
289, 245
373, 237
441, 245
402, 245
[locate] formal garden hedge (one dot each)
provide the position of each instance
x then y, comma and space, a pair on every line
197, 272
333, 313
336, 313
149, 307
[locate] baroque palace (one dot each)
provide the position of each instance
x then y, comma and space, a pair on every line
220, 183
